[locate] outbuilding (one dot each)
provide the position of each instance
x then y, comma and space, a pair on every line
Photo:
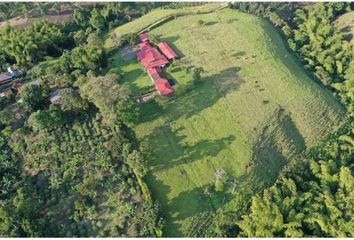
163, 87
144, 37
167, 50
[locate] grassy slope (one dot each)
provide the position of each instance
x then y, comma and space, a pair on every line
156, 16
255, 110
346, 24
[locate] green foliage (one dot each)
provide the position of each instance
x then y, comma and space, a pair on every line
47, 119
80, 37
32, 97
136, 162
30, 45
86, 160
313, 198
105, 92
97, 21
9, 10
73, 102
128, 111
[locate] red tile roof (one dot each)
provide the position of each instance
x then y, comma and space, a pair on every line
143, 45
163, 87
167, 50
151, 57
154, 72
144, 37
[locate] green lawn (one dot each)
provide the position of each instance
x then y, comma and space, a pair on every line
157, 16
255, 110
132, 73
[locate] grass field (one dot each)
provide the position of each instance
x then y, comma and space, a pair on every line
155, 17
255, 110
345, 23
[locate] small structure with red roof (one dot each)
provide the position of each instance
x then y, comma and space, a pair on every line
167, 50
163, 87
144, 37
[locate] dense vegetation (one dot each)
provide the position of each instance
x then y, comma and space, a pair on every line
71, 169
314, 195
14, 9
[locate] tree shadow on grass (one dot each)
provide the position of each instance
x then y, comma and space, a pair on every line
210, 23
202, 96
228, 80
232, 20
239, 54
185, 205
129, 80
347, 33
279, 142
175, 152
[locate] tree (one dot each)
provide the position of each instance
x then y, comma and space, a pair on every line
128, 111
94, 39
57, 8
136, 162
105, 92
31, 96
80, 37
73, 102
97, 21
47, 119
40, 120
81, 17
196, 72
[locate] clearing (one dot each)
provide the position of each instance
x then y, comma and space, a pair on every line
255, 110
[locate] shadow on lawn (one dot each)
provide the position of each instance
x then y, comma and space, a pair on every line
181, 153
186, 204
210, 23
346, 30
202, 96
279, 142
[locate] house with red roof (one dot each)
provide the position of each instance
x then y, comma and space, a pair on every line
153, 61
150, 57
167, 50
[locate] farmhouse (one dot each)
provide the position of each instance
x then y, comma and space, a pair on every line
154, 61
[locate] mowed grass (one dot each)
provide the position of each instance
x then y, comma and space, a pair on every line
154, 17
255, 110
132, 73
